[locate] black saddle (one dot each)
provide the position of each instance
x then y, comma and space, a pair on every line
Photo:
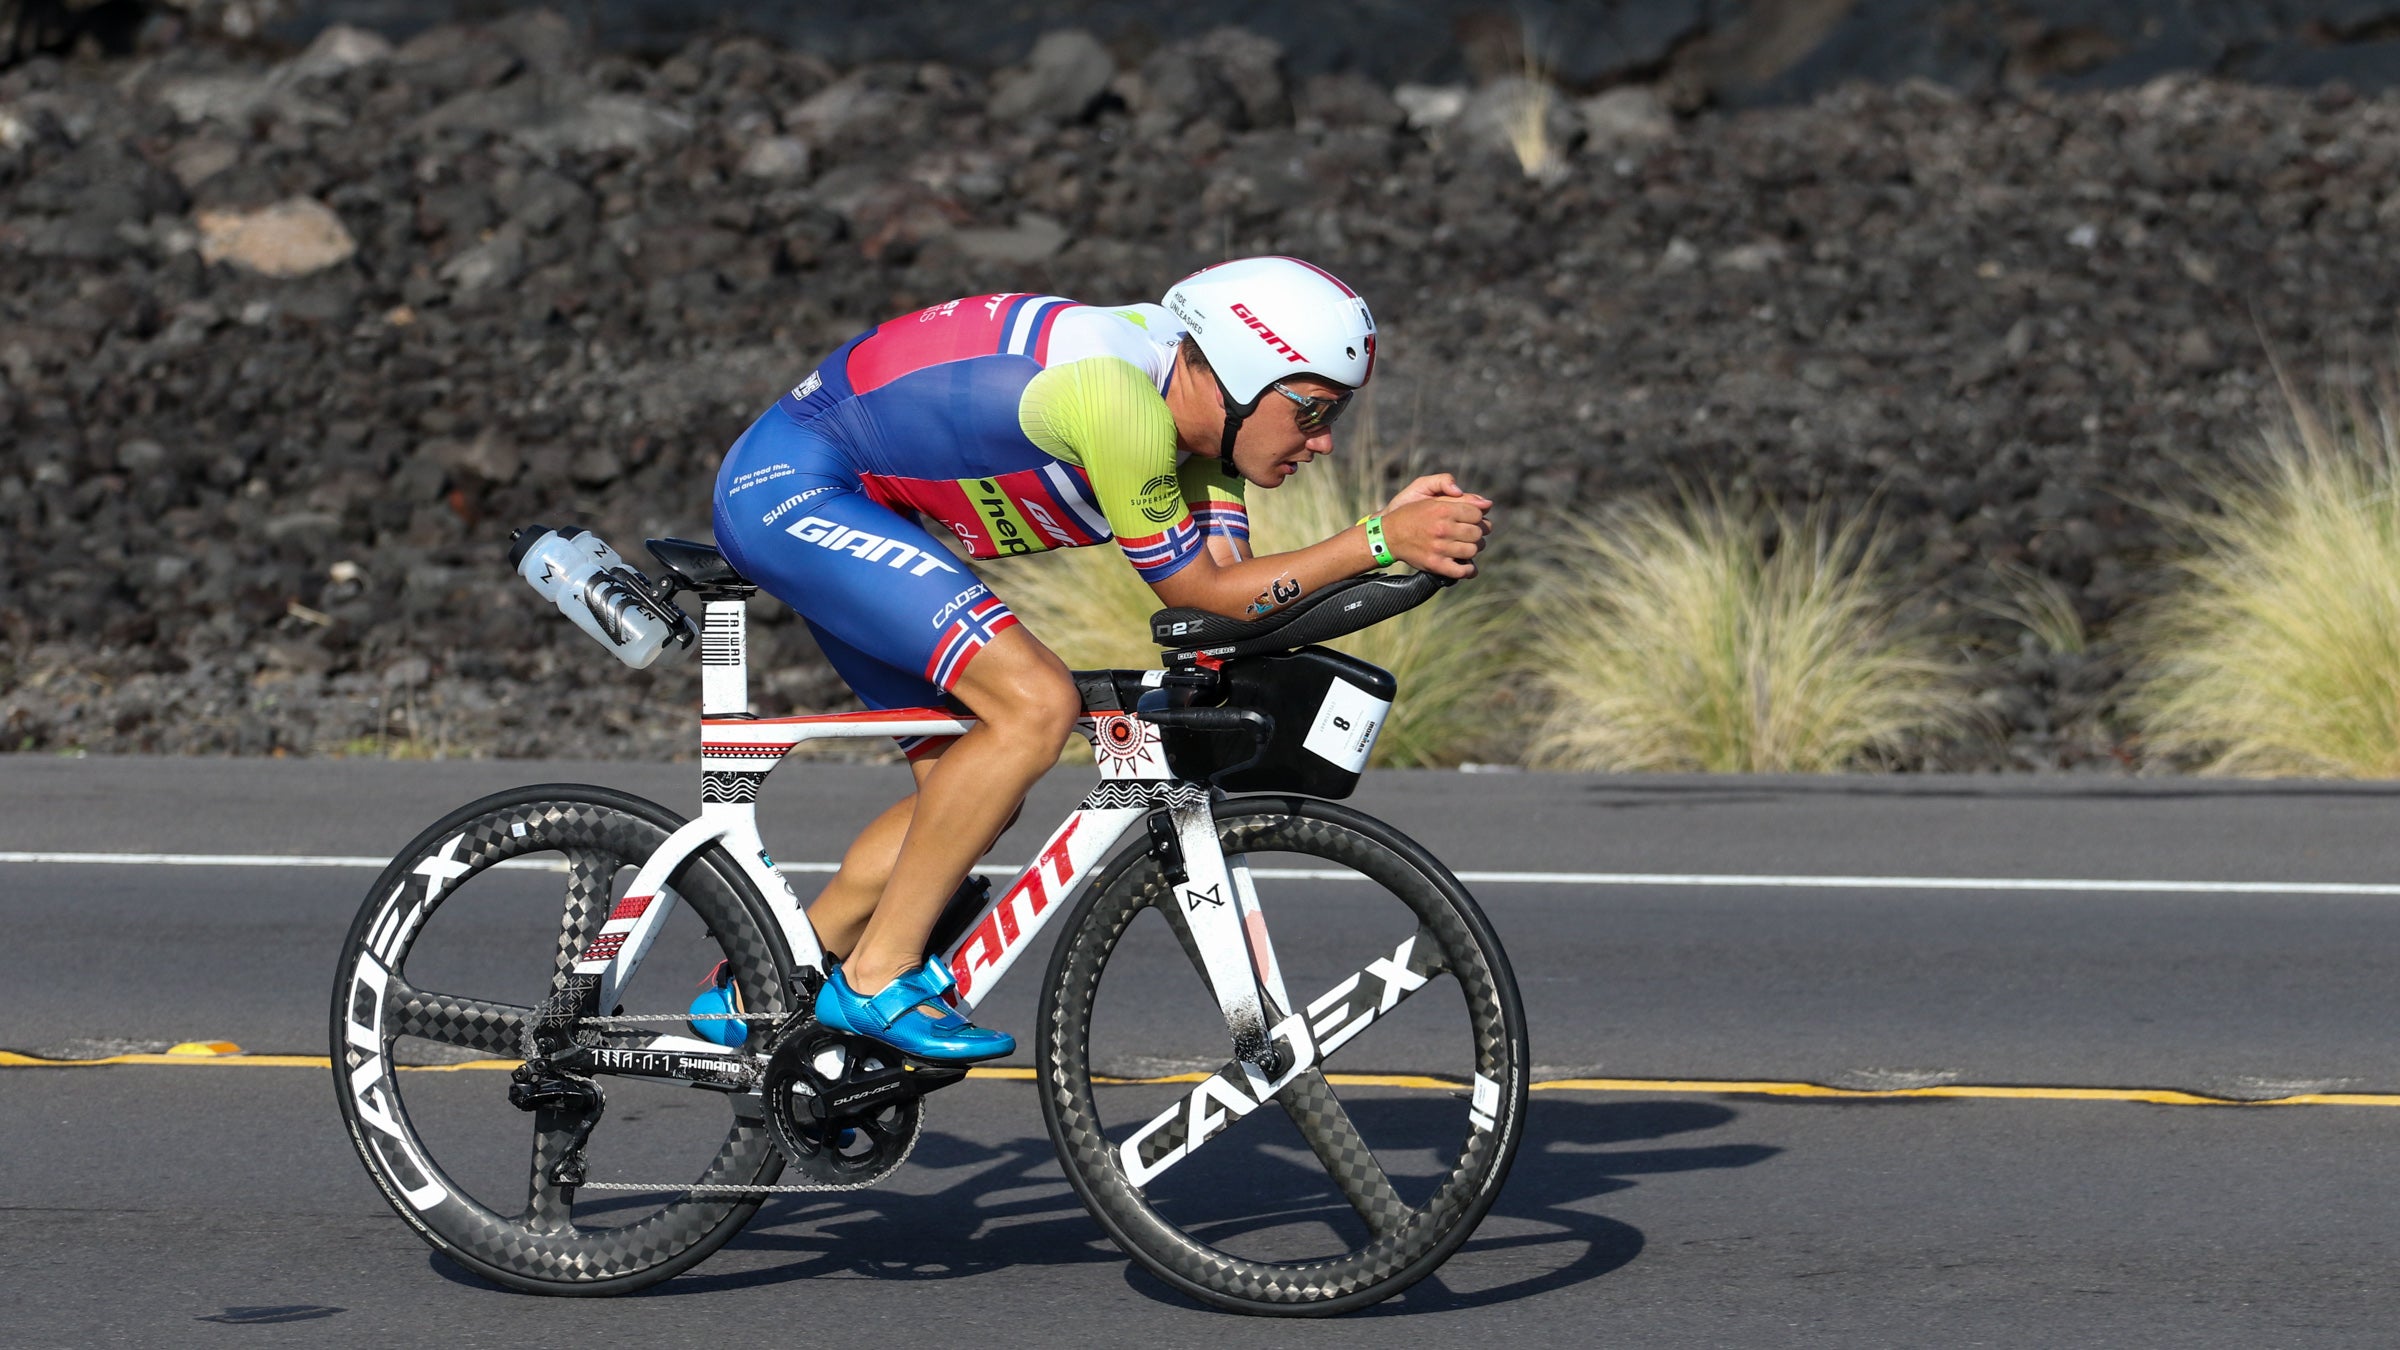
700, 569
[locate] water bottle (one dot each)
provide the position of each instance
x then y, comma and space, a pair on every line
590, 584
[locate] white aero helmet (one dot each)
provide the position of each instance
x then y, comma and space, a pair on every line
1259, 320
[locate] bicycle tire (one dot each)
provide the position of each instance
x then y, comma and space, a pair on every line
1399, 1250
542, 1249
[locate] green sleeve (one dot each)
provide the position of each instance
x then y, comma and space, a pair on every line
1103, 414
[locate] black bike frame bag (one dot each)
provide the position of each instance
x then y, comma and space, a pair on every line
1328, 709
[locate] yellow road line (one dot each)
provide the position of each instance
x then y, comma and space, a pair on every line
1715, 1087
2149, 1096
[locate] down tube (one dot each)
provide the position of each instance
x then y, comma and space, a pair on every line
1007, 926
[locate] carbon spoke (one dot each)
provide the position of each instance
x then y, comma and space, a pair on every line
1183, 938
1325, 1124
550, 1207
1337, 1016
449, 1019
591, 876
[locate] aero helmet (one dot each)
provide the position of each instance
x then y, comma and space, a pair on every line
1259, 320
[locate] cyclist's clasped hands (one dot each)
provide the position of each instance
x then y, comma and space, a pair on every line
1436, 526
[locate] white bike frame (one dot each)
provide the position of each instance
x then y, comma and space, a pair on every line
737, 752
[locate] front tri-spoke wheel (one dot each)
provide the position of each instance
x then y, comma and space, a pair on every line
462, 961
1331, 1185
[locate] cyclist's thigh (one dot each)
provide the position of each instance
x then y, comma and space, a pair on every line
879, 584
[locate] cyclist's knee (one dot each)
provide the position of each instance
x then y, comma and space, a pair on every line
1021, 690
1044, 710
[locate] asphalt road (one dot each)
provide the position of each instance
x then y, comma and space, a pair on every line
139, 1203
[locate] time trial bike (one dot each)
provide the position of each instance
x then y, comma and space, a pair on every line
1232, 936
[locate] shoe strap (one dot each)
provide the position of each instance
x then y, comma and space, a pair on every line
922, 985
938, 976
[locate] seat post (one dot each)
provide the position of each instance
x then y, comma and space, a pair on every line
725, 659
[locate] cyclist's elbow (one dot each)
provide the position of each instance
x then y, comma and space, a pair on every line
1204, 588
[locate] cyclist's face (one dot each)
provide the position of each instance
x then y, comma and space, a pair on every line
1272, 445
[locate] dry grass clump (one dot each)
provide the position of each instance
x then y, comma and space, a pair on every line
2280, 656
2039, 604
1092, 609
1538, 153
1671, 640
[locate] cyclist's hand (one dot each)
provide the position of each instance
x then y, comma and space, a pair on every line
1438, 534
1434, 485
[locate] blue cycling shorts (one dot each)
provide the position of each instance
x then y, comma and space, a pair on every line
895, 612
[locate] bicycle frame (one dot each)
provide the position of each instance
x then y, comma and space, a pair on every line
738, 751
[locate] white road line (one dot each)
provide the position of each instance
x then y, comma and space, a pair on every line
1723, 881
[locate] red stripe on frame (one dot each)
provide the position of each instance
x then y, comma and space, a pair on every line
871, 715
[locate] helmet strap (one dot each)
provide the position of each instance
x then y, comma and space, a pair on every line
1235, 415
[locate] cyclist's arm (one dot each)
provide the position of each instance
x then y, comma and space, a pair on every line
1104, 414
1261, 585
1434, 538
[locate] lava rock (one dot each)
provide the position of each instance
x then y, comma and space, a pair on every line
289, 239
1064, 75
327, 349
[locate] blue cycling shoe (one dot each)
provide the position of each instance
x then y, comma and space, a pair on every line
721, 996
909, 1015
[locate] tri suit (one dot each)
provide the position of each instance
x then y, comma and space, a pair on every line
1020, 423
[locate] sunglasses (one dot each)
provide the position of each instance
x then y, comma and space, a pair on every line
1316, 414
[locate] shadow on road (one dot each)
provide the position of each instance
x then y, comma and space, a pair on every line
1575, 1152
970, 1208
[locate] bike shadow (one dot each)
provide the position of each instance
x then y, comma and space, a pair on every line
964, 1207
1543, 1227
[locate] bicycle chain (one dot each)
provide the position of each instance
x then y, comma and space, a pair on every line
693, 1188
631, 1018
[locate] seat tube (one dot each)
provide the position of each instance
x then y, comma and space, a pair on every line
731, 775
724, 659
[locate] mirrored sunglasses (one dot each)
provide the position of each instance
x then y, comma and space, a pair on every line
1316, 414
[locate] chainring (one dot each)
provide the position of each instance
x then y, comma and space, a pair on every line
810, 1069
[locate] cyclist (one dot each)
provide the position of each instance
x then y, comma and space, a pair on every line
1023, 423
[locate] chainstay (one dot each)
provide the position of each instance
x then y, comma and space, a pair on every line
689, 1188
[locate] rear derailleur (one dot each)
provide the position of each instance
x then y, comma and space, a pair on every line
559, 1101
548, 1085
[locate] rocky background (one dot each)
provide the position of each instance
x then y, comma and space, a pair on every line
289, 340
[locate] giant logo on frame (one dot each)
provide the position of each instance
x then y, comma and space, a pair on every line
991, 943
